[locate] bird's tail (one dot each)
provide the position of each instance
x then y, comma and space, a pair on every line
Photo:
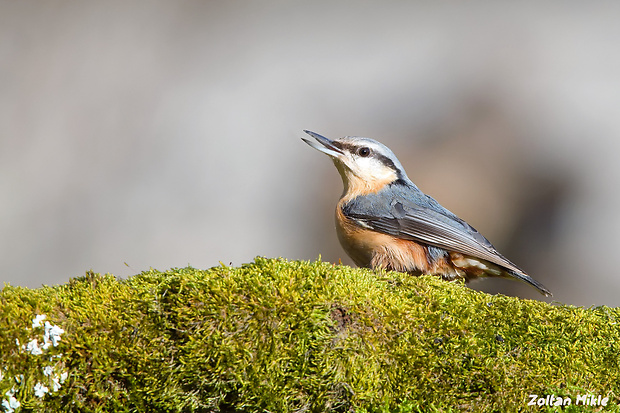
526, 278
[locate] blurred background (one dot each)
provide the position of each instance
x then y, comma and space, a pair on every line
161, 134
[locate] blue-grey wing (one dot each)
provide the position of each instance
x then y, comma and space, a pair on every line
418, 217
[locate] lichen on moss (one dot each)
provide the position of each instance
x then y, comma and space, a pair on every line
294, 336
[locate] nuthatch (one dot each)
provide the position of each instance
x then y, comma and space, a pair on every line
384, 221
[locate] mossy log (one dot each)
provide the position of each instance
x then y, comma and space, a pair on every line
290, 336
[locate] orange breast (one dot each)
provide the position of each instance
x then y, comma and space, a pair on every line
371, 249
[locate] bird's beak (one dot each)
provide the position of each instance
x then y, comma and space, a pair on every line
326, 145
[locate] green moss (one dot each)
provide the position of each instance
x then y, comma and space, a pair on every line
285, 336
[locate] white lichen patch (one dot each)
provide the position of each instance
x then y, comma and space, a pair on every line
40, 390
36, 321
52, 334
33, 347
58, 380
49, 378
11, 403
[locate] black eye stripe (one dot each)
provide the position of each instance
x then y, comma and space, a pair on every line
387, 162
354, 148
345, 146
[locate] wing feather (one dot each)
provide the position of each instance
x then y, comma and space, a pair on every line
424, 221
422, 227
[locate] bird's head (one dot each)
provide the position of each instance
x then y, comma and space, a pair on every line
364, 164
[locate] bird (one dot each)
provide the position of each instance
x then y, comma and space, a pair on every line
384, 221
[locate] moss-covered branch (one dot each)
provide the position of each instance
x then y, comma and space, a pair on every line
285, 336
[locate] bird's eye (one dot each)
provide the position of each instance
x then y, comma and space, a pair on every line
363, 152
